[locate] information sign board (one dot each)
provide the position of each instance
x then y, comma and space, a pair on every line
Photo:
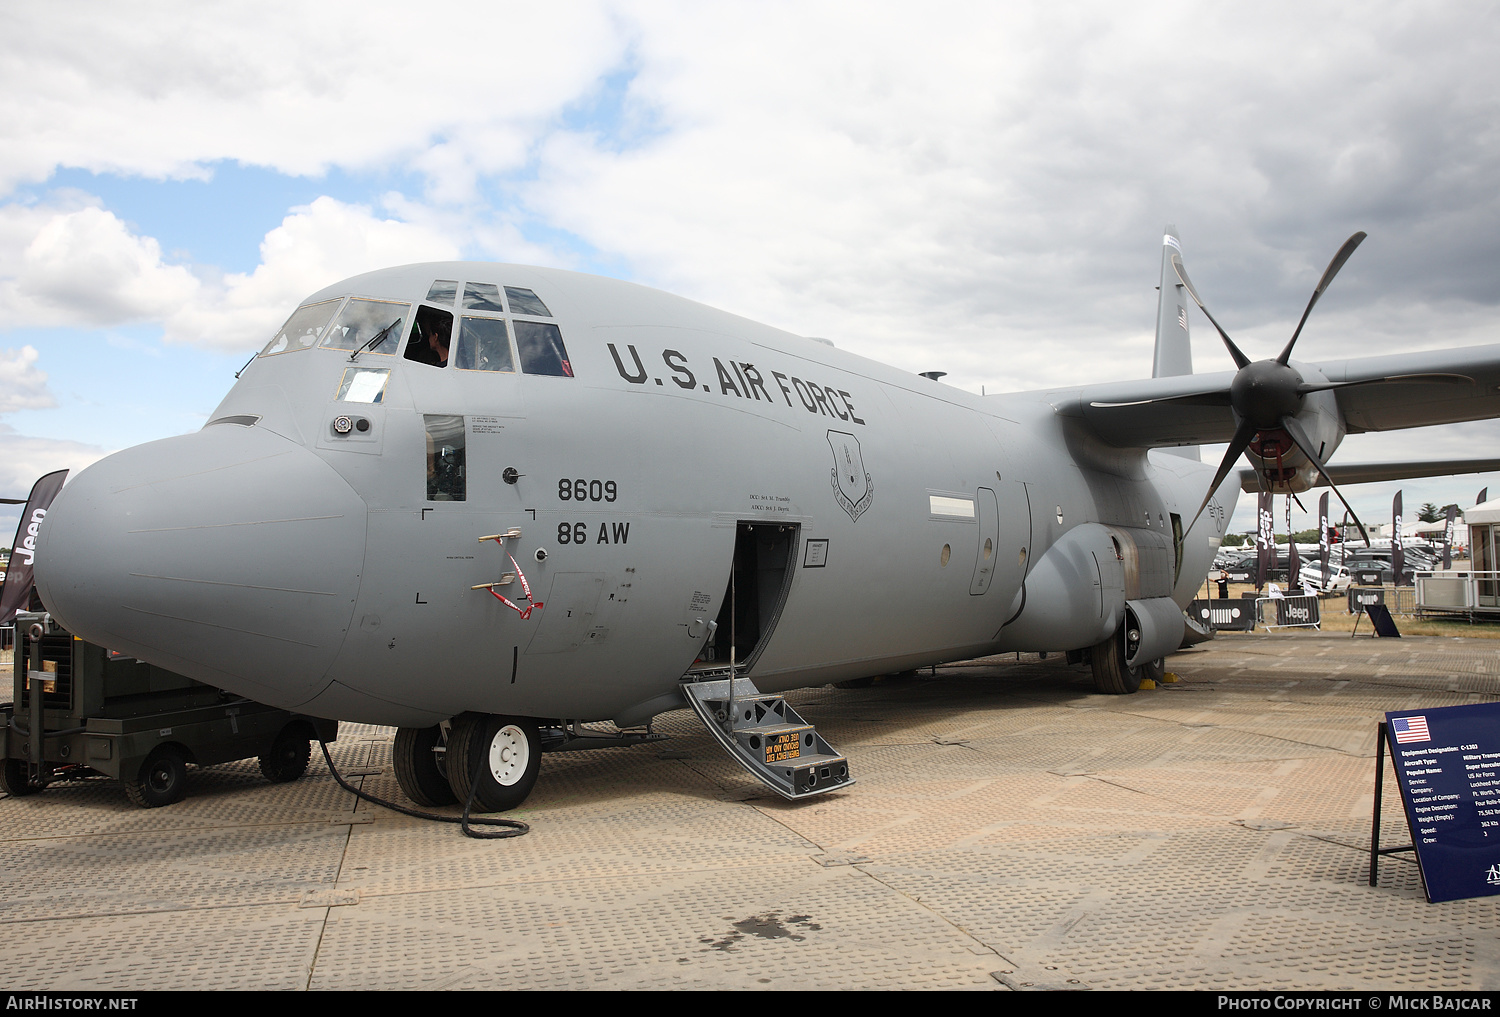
1448, 767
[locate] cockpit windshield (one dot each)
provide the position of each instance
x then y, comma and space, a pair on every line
364, 319
303, 329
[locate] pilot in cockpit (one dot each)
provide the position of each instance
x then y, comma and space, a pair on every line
431, 334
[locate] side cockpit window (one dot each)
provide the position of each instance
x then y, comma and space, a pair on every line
303, 329
541, 347
373, 326
431, 335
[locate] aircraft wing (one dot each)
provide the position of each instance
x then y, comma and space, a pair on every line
1370, 473
1194, 409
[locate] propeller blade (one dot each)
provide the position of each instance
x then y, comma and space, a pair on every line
1237, 446
1435, 379
1240, 360
12, 501
1328, 274
1299, 436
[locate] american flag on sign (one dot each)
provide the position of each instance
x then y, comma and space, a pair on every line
1410, 729
1182, 318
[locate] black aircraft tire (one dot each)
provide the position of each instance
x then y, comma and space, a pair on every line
417, 769
1111, 676
1156, 670
14, 781
162, 781
287, 758
506, 753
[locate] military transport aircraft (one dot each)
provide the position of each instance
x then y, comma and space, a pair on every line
488, 504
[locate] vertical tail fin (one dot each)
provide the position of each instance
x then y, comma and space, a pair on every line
1174, 351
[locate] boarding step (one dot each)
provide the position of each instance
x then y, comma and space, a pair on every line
767, 737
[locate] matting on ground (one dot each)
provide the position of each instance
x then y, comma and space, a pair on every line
1010, 828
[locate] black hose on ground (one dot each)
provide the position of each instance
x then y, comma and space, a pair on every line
513, 827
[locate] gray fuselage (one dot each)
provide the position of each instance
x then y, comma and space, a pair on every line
328, 565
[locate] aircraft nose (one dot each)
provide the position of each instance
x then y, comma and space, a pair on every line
230, 555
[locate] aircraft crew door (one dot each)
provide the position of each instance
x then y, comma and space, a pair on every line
1004, 539
765, 556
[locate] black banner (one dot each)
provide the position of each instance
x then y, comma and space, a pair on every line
1294, 565
1398, 556
1265, 539
1448, 536
1323, 542
17, 589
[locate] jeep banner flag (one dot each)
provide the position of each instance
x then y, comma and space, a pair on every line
1448, 536
1294, 565
17, 589
1323, 543
1265, 539
1398, 556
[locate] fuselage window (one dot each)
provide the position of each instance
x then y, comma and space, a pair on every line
303, 329
443, 291
523, 301
362, 385
364, 321
541, 348
482, 297
484, 346
445, 457
431, 331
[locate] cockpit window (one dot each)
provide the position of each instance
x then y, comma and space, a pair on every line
303, 328
482, 297
541, 348
431, 332
523, 301
377, 322
443, 291
484, 346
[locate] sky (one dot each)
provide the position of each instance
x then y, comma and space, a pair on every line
978, 188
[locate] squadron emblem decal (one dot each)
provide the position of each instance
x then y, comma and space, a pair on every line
852, 487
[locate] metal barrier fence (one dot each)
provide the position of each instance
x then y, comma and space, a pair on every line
1397, 599
1226, 615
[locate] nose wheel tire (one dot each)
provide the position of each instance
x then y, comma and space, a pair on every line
500, 758
419, 770
1112, 676
162, 780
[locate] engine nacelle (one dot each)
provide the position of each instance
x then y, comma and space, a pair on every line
1282, 466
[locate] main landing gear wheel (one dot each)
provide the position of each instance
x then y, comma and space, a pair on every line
1111, 674
287, 759
163, 778
506, 754
418, 769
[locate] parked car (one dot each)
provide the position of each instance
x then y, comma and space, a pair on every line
1339, 578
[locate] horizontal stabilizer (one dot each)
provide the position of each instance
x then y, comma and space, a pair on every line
1371, 473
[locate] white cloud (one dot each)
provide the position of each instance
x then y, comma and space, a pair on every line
295, 87
314, 246
22, 386
66, 265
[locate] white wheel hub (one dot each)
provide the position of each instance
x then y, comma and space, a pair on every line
510, 753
